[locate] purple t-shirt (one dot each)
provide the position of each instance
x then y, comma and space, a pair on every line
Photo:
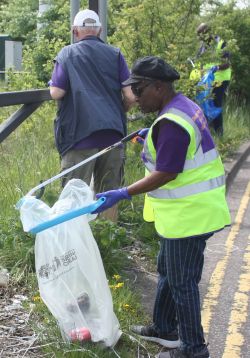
171, 140
103, 138
60, 78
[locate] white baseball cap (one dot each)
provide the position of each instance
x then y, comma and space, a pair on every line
87, 18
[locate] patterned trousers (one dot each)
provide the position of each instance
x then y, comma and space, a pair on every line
177, 304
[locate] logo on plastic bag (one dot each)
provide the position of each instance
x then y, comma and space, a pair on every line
50, 269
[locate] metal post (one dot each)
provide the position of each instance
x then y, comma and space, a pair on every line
100, 7
74, 8
103, 18
94, 5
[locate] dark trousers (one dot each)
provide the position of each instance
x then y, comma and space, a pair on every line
218, 94
177, 304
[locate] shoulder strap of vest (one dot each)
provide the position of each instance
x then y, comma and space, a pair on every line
220, 44
183, 120
188, 125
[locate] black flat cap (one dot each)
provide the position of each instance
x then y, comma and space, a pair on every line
151, 68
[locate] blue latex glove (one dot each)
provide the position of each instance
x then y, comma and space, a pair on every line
141, 135
214, 68
112, 197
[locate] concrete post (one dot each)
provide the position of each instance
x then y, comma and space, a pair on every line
44, 5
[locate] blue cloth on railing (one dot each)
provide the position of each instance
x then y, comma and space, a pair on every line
204, 99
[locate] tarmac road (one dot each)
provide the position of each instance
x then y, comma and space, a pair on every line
225, 286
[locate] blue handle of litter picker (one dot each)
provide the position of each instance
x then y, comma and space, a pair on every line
67, 216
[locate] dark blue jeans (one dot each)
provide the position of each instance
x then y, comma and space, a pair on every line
177, 304
218, 93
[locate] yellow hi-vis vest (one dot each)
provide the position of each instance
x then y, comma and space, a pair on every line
194, 203
221, 75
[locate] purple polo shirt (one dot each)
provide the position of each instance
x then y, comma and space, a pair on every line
103, 138
171, 140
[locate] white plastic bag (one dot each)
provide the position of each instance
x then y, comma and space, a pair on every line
70, 273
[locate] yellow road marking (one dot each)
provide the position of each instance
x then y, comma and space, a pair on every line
211, 298
235, 338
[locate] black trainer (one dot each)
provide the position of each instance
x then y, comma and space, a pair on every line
177, 353
169, 340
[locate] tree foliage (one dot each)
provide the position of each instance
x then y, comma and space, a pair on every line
19, 19
156, 27
151, 26
234, 24
139, 28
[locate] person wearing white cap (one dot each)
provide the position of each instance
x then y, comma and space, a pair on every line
87, 79
87, 18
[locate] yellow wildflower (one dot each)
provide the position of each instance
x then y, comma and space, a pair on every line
126, 306
119, 285
117, 277
37, 299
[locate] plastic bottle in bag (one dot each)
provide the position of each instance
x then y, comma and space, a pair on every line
80, 334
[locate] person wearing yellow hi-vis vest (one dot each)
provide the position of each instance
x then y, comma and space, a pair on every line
185, 186
213, 54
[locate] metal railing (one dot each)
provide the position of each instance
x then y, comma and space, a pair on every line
30, 101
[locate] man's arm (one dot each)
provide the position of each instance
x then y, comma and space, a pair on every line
57, 93
223, 66
224, 62
59, 82
151, 182
127, 94
128, 98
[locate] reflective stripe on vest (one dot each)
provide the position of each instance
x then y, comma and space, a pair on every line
200, 159
188, 190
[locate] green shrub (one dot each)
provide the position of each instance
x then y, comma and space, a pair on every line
17, 249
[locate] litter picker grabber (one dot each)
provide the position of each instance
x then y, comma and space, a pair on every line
66, 171
191, 61
195, 73
68, 215
70, 273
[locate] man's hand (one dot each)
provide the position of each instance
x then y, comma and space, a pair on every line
141, 135
112, 197
214, 69
128, 98
57, 93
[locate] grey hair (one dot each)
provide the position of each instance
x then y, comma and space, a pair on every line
93, 30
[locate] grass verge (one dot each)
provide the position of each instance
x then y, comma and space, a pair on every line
28, 156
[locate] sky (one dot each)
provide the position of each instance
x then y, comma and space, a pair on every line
241, 3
